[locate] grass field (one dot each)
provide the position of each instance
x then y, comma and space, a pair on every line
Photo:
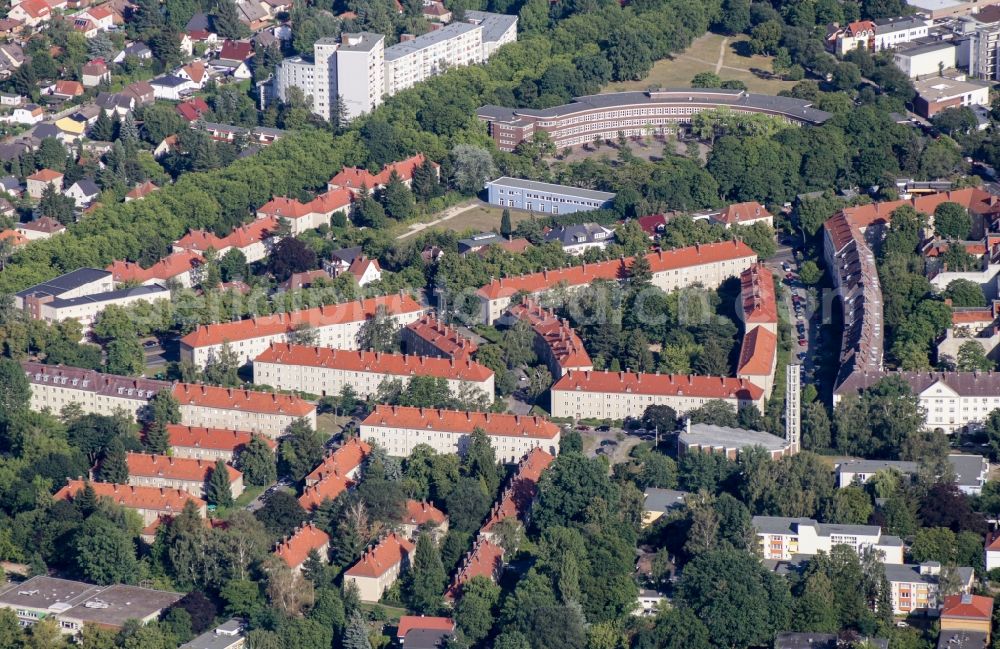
703, 56
482, 218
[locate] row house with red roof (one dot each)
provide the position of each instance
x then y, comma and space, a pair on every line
211, 444
420, 516
294, 550
307, 216
379, 567
429, 336
617, 395
183, 267
266, 413
336, 326
759, 349
324, 371
556, 342
254, 240
150, 503
518, 496
706, 264
169, 472
338, 471
484, 560
400, 429
353, 179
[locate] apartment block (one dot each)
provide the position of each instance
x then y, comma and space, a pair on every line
80, 282
421, 515
87, 308
325, 372
708, 264
54, 387
484, 560
183, 267
335, 474
200, 443
414, 60
164, 471
151, 503
916, 588
254, 240
780, 538
379, 567
428, 336
266, 413
399, 429
310, 215
335, 325
295, 549
556, 343
617, 395
519, 494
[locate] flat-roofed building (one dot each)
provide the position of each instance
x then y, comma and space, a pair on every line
399, 429
151, 503
413, 60
916, 588
729, 441
936, 94
42, 596
200, 443
547, 198
780, 538
267, 413
85, 309
379, 567
146, 470
336, 326
80, 282
657, 502
228, 635
323, 371
706, 264
617, 395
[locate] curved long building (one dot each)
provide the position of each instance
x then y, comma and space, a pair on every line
633, 113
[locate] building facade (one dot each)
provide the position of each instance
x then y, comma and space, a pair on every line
266, 413
414, 60
200, 443
547, 198
779, 538
379, 567
150, 503
164, 471
617, 395
400, 429
429, 336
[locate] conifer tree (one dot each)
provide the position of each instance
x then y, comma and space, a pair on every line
218, 492
114, 466
426, 580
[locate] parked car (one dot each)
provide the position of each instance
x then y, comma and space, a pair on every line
608, 442
603, 429
582, 427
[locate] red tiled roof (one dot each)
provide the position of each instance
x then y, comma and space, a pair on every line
464, 369
45, 224
484, 560
445, 339
390, 551
290, 208
210, 396
151, 498
972, 316
242, 237
142, 190
220, 439
420, 513
659, 261
324, 316
69, 88
302, 280
354, 178
236, 50
99, 12
973, 199
758, 352
514, 246
196, 71
360, 265
331, 486
457, 421
652, 223
563, 342
708, 387
175, 468
740, 212
975, 607
172, 265
757, 293
295, 549
861, 25
192, 109
517, 497
36, 8
46, 175
993, 541
342, 461
16, 238
408, 623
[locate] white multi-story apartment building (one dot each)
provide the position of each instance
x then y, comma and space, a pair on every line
150, 503
54, 387
200, 443
324, 372
917, 587
416, 59
266, 413
617, 395
359, 70
891, 32
780, 538
400, 429
379, 567
178, 473
335, 325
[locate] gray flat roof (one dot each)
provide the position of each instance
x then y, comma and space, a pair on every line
494, 25
923, 48
787, 525
117, 604
367, 42
874, 466
962, 640
480, 240
65, 283
727, 437
453, 30
968, 469
47, 593
135, 291
661, 500
520, 183
221, 637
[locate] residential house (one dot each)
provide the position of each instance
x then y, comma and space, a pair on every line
95, 73
422, 516
27, 114
424, 632
141, 190
38, 181
194, 72
436, 12
340, 260
657, 502
653, 225
201, 443
149, 502
116, 103
253, 14
11, 185
16, 238
170, 87
191, 475
228, 635
102, 16
43, 227
743, 214
31, 12
11, 99
83, 192
266, 413
354, 179
234, 58
181, 267
916, 588
192, 109
11, 58
136, 50
428, 336
141, 91
379, 567
992, 551
166, 146
579, 238
966, 612
294, 550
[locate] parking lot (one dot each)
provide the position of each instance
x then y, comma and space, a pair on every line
605, 441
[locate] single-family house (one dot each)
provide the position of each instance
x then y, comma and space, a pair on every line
101, 15
142, 92
142, 190
379, 567
83, 192
136, 50
294, 550
65, 89
193, 109
195, 73
38, 181
95, 73
170, 87
27, 114
11, 185
115, 103
31, 12
11, 58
